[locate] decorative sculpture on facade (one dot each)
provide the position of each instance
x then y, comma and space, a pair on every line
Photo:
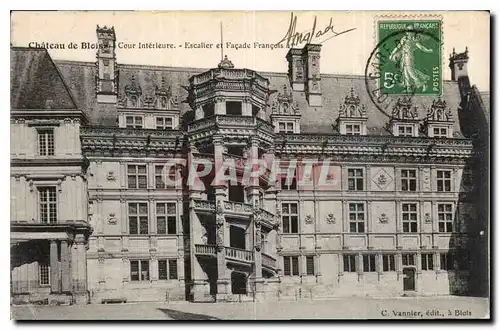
351, 108
111, 176
403, 109
226, 63
439, 112
309, 219
284, 103
219, 222
383, 218
330, 218
427, 218
159, 98
112, 219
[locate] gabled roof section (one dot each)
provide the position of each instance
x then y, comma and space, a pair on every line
36, 82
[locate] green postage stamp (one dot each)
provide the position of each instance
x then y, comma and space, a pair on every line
410, 57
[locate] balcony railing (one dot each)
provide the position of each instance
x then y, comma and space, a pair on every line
237, 207
239, 254
231, 120
204, 205
208, 250
268, 261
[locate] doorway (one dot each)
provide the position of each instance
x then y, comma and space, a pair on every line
238, 283
409, 279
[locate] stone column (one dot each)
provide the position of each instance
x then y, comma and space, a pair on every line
79, 266
66, 275
54, 268
246, 107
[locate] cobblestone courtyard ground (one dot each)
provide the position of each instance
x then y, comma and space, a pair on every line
406, 308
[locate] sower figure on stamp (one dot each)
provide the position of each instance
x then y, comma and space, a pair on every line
412, 78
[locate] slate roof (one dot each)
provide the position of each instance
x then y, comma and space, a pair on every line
36, 82
80, 79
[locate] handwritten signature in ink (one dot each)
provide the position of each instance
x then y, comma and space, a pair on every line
293, 38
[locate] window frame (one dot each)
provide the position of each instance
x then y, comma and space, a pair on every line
440, 133
163, 126
427, 261
51, 215
310, 265
135, 118
286, 129
169, 218
289, 218
293, 265
46, 137
137, 175
444, 180
358, 181
405, 132
350, 265
350, 129
139, 217
409, 225
168, 266
448, 257
140, 263
406, 177
369, 260
445, 218
388, 260
408, 260
46, 266
356, 214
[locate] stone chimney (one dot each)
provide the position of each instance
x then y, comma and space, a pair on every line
304, 72
458, 64
107, 71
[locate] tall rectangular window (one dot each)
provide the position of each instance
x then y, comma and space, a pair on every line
445, 218
447, 261
44, 274
356, 217
291, 265
290, 218
167, 269
138, 218
133, 121
389, 262
369, 264
408, 259
410, 223
137, 177
310, 265
47, 203
353, 129
349, 263
46, 142
408, 180
164, 123
166, 218
139, 270
355, 179
427, 261
443, 180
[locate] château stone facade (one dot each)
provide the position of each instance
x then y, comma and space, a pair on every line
115, 194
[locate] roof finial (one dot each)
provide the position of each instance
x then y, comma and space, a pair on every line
221, 43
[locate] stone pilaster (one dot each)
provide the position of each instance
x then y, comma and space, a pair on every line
54, 268
65, 271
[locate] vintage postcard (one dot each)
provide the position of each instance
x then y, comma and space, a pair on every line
250, 165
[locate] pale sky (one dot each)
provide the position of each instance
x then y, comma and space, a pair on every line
344, 54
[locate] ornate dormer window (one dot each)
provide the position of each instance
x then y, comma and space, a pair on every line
164, 97
155, 108
226, 63
439, 120
352, 116
133, 94
285, 114
404, 121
